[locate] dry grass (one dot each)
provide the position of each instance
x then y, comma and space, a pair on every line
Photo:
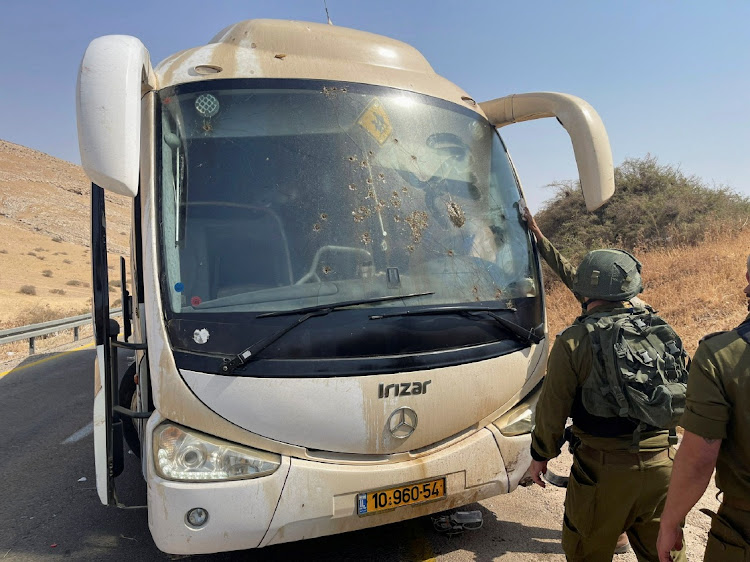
696, 289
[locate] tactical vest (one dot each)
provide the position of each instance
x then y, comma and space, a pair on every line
639, 371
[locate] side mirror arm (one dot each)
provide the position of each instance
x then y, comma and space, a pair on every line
587, 133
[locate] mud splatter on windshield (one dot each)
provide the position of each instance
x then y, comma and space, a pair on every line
299, 189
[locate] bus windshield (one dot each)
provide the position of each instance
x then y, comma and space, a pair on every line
282, 194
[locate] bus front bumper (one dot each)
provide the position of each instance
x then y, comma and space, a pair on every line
305, 499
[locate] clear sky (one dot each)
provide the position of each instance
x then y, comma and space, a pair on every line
669, 78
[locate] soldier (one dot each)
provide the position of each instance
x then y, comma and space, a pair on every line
566, 272
717, 426
621, 468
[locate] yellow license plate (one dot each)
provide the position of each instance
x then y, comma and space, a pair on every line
410, 494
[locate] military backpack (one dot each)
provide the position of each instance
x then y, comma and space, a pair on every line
639, 370
744, 331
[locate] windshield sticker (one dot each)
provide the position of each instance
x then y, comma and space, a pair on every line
179, 287
200, 336
375, 121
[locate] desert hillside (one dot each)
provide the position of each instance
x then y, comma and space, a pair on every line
45, 267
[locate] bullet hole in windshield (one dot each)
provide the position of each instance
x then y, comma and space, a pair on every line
332, 92
361, 214
327, 269
364, 164
405, 189
410, 248
450, 252
352, 187
413, 157
368, 181
418, 223
498, 294
323, 216
475, 292
395, 200
352, 158
366, 238
316, 227
456, 213
381, 176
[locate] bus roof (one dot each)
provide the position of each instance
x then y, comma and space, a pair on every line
293, 49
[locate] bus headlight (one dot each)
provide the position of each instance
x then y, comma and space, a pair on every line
190, 456
520, 419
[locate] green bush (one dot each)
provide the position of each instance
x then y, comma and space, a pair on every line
653, 205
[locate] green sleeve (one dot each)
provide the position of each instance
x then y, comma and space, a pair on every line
562, 267
556, 400
707, 411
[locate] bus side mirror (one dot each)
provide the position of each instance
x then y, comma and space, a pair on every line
114, 73
587, 133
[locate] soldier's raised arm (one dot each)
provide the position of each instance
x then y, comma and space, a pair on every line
557, 262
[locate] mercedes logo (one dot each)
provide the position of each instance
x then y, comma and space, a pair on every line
402, 422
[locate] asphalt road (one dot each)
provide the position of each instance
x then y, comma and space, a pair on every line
49, 508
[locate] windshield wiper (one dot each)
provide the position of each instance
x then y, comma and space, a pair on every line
308, 312
337, 305
532, 335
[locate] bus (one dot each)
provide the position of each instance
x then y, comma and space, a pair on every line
335, 307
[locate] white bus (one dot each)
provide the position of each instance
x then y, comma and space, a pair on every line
337, 311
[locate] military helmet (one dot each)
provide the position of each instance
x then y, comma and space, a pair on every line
610, 275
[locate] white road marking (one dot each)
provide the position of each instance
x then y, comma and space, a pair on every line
80, 434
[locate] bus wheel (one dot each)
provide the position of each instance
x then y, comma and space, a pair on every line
127, 391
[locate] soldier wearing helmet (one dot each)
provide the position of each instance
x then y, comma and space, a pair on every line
717, 426
621, 469
557, 262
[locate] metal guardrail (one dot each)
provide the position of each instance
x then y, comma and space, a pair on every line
33, 331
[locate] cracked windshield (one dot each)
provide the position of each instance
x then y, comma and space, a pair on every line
280, 198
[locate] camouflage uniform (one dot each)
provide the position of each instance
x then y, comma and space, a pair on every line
611, 489
718, 407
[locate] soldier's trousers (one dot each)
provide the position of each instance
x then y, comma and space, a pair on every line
728, 539
612, 492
